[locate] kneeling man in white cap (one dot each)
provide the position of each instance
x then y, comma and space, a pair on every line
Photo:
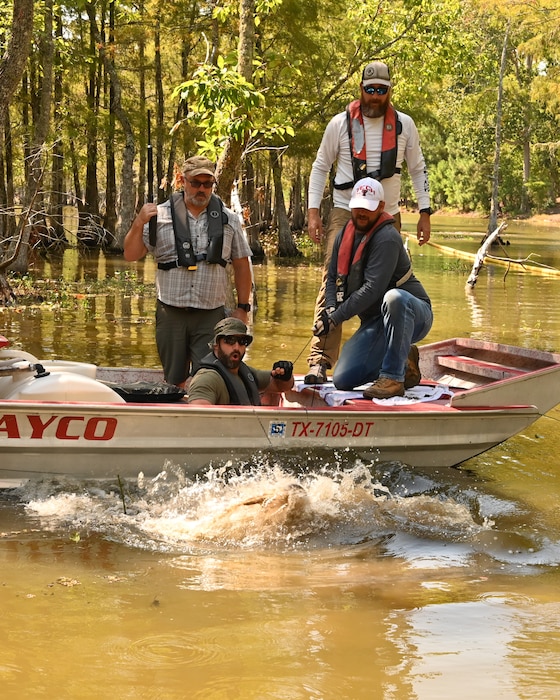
370, 276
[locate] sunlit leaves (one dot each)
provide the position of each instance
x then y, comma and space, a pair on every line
223, 104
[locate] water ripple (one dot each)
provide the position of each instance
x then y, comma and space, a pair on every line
168, 650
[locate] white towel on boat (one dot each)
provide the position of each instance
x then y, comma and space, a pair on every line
334, 397
330, 394
418, 394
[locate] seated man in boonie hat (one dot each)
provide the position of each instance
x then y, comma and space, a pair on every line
223, 378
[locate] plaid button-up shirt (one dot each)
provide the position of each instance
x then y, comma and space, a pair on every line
207, 286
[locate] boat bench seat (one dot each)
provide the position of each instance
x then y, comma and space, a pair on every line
481, 368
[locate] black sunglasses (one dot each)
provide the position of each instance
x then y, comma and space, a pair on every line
240, 339
371, 90
197, 184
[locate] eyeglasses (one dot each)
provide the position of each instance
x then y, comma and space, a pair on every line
371, 90
239, 339
197, 184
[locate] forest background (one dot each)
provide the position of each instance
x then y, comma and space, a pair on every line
94, 95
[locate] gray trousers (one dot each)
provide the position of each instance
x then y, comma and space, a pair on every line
182, 338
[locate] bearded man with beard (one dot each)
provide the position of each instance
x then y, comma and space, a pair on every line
370, 276
369, 139
196, 237
224, 379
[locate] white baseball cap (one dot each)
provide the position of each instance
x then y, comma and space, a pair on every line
366, 194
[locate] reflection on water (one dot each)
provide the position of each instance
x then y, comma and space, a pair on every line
118, 328
371, 577
329, 580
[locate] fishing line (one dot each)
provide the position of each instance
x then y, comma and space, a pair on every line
322, 351
265, 430
303, 348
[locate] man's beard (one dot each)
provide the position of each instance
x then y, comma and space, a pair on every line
229, 361
374, 111
199, 199
362, 226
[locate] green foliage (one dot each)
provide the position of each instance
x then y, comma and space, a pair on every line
541, 193
307, 60
223, 104
460, 183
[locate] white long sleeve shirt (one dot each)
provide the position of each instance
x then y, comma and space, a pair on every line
335, 147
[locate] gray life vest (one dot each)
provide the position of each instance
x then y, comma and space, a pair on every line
247, 377
186, 257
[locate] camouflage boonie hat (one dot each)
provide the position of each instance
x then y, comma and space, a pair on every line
230, 326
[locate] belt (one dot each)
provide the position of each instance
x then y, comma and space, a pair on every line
199, 257
185, 308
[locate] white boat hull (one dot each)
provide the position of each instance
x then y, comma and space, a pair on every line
103, 441
498, 392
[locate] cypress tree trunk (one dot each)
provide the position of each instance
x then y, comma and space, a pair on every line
286, 246
91, 193
494, 203
128, 197
38, 152
57, 194
229, 162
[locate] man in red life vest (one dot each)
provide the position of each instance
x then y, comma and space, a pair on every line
369, 139
370, 276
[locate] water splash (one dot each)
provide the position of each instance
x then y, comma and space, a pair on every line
263, 506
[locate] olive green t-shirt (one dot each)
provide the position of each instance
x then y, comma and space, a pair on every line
209, 385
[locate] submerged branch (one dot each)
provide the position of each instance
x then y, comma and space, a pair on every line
482, 253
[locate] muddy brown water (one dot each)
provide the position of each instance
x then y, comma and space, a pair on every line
338, 580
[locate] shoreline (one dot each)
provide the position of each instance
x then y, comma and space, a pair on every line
551, 218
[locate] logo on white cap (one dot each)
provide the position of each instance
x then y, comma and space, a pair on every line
367, 194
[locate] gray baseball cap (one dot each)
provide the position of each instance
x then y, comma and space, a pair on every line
376, 73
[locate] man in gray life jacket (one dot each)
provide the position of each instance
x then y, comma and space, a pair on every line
369, 139
223, 378
196, 236
370, 276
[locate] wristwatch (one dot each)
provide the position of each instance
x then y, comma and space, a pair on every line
245, 307
427, 210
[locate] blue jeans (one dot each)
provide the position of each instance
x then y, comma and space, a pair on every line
380, 346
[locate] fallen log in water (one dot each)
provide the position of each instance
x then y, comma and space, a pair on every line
527, 264
482, 253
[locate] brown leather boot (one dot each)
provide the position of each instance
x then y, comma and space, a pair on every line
317, 375
412, 376
384, 388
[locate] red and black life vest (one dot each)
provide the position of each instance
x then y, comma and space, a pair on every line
351, 259
392, 127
